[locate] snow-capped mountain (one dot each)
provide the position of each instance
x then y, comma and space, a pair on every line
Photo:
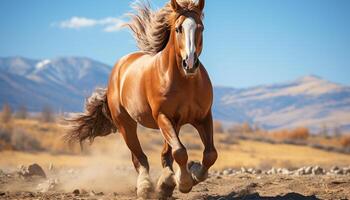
64, 84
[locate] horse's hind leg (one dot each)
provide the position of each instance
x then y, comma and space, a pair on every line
166, 182
128, 128
179, 153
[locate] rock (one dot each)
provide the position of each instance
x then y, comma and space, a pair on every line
286, 171
346, 170
32, 170
250, 170
308, 170
244, 170
339, 172
335, 168
300, 171
227, 172
317, 170
76, 192
272, 171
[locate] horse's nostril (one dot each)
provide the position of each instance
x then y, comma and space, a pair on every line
184, 64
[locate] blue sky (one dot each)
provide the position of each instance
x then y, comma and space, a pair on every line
247, 42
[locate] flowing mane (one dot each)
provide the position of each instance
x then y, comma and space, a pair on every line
151, 29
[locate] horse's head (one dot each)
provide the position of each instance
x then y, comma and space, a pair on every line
188, 28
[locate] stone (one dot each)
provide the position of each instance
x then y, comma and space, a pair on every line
335, 168
273, 171
346, 170
339, 172
300, 171
317, 170
226, 172
250, 170
308, 170
32, 170
76, 192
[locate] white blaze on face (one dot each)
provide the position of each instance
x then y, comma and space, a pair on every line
189, 27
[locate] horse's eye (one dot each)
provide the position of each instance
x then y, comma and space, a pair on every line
200, 27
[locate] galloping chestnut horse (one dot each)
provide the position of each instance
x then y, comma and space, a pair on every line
163, 86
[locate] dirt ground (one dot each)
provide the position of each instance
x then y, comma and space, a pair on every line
236, 186
106, 172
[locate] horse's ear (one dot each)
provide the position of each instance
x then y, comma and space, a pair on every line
201, 4
174, 5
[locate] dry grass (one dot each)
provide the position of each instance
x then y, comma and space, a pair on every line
112, 150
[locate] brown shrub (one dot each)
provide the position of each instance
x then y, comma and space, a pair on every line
345, 141
6, 113
300, 133
22, 141
18, 139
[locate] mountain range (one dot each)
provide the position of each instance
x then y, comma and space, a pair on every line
64, 84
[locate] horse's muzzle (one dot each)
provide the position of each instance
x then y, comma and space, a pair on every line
190, 66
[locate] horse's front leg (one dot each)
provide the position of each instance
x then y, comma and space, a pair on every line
183, 176
205, 129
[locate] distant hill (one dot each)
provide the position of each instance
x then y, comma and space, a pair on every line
308, 101
64, 84
61, 83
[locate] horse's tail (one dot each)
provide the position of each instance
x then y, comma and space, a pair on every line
95, 121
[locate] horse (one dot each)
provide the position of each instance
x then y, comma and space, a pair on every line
163, 86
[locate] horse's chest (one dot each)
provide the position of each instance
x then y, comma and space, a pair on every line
184, 108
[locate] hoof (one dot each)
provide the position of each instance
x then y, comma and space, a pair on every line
197, 172
144, 188
184, 182
166, 184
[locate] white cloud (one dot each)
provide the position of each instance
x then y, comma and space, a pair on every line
109, 24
